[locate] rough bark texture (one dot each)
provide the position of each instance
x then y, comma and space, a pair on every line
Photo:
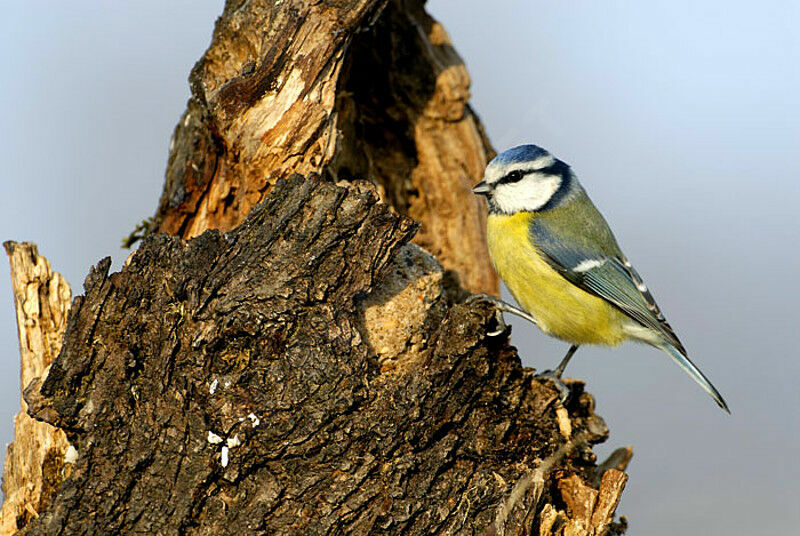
34, 465
302, 368
369, 89
230, 385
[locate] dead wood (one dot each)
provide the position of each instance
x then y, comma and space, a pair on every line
34, 464
302, 368
368, 88
230, 385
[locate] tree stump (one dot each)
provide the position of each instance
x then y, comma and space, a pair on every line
285, 360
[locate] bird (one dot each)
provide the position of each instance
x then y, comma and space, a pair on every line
562, 264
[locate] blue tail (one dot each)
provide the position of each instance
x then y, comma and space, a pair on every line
695, 373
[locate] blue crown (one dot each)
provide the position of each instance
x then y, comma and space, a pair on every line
521, 153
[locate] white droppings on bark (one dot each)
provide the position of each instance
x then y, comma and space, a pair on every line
254, 419
71, 456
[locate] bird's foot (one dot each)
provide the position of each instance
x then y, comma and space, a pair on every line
500, 323
563, 390
500, 308
501, 326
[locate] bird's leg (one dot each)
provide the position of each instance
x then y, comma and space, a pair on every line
561, 366
500, 307
555, 375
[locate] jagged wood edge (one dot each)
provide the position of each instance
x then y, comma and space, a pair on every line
486, 439
34, 465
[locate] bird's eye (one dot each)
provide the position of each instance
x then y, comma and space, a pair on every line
513, 176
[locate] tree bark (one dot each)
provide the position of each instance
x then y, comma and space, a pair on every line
231, 385
302, 367
368, 88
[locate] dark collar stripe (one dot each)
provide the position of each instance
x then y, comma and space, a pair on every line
561, 169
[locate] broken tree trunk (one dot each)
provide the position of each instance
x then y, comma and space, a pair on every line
302, 368
232, 384
368, 88
34, 465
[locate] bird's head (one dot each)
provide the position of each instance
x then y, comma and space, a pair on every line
524, 178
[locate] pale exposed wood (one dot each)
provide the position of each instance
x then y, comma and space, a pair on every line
395, 313
610, 493
579, 498
34, 464
366, 89
589, 511
564, 424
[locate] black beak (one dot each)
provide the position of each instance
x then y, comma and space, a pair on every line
482, 188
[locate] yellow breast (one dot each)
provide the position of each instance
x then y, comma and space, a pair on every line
562, 309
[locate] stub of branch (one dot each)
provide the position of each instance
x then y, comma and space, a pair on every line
619, 460
237, 383
34, 464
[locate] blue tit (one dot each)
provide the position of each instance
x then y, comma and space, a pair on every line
560, 261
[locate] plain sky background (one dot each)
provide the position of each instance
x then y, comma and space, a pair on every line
681, 118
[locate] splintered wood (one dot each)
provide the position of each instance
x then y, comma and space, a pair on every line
34, 465
589, 511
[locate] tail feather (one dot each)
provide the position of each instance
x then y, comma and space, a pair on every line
696, 375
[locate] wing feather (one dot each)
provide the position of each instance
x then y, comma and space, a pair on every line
600, 268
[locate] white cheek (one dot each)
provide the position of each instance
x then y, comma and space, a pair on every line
531, 193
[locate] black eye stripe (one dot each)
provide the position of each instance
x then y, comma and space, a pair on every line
556, 168
514, 176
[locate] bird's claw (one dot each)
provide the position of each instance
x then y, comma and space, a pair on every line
482, 296
502, 327
563, 390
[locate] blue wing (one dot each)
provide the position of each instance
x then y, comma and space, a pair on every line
579, 245
601, 269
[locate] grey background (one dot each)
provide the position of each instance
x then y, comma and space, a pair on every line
681, 118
